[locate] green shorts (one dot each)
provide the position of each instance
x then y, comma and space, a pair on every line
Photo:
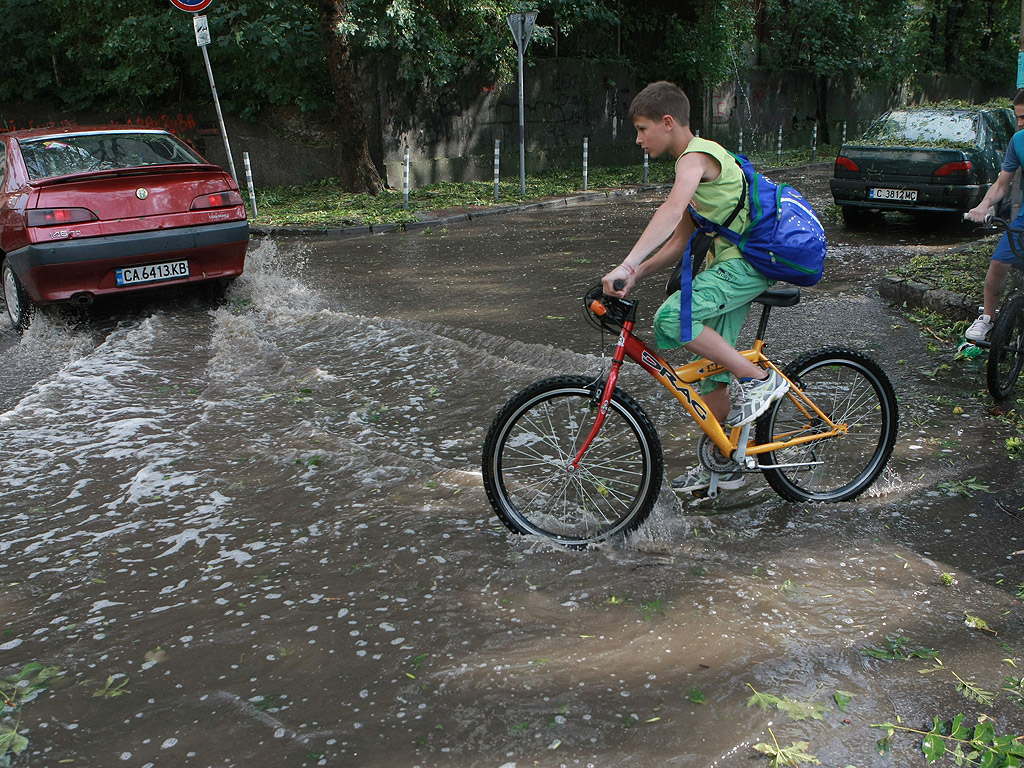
721, 298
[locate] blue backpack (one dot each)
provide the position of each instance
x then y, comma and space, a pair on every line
783, 241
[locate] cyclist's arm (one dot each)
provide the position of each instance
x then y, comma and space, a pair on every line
995, 193
690, 171
671, 252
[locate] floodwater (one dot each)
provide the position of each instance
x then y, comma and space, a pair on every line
253, 533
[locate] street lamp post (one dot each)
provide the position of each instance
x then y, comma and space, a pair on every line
521, 25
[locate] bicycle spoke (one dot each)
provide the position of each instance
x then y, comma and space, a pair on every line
850, 390
530, 448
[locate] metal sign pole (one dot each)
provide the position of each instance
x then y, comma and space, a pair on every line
521, 25
203, 40
522, 122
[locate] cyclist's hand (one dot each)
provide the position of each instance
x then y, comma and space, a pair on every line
621, 275
979, 215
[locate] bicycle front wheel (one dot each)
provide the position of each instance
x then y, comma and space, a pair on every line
850, 388
1006, 349
536, 435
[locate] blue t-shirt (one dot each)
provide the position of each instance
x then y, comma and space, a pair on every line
1013, 153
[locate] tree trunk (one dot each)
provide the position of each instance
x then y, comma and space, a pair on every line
821, 108
358, 173
955, 13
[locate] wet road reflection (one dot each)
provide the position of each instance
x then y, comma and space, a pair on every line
254, 533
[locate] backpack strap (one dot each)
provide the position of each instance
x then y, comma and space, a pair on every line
700, 241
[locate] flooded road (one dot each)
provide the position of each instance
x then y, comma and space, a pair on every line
254, 533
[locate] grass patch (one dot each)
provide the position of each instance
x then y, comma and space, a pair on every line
324, 203
961, 272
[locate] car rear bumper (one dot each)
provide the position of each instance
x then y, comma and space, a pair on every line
52, 272
930, 197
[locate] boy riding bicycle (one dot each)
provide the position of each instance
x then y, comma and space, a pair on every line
1003, 259
707, 177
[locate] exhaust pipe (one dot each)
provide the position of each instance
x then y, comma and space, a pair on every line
83, 299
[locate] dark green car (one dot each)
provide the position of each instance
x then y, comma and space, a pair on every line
922, 159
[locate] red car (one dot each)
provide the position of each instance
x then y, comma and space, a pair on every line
86, 212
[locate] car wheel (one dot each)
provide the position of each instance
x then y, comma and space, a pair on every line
19, 306
855, 216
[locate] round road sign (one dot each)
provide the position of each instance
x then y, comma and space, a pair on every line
193, 6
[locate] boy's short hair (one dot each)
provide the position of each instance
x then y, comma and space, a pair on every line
660, 99
1019, 98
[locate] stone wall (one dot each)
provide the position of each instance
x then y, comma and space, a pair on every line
566, 100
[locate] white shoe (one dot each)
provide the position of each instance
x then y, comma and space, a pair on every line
699, 479
979, 329
752, 398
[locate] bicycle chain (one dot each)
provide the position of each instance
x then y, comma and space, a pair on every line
712, 459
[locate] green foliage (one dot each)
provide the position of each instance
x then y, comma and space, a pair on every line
960, 272
705, 50
11, 742
114, 687
324, 203
796, 709
1013, 687
966, 37
864, 38
94, 54
432, 42
978, 746
21, 687
794, 754
273, 54
896, 648
16, 690
965, 488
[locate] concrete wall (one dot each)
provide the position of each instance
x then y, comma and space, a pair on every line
566, 100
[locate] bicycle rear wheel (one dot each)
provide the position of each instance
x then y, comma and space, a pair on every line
527, 453
1006, 349
850, 388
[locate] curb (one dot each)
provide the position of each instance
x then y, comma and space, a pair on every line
906, 292
287, 230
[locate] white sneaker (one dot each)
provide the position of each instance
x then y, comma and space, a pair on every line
699, 479
979, 329
751, 398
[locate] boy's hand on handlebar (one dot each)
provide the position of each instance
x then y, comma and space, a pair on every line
979, 215
619, 282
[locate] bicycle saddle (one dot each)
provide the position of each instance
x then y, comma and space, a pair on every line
780, 297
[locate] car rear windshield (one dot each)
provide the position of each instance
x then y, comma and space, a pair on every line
925, 128
47, 157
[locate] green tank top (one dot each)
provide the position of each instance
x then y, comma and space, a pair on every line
717, 199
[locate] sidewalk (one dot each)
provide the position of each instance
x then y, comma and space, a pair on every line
440, 218
443, 218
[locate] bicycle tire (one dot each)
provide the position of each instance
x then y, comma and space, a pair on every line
535, 436
849, 387
1006, 350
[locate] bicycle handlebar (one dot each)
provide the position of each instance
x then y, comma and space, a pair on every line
1014, 236
989, 220
618, 285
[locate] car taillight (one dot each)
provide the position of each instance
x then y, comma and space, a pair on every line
56, 217
847, 163
959, 168
229, 198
